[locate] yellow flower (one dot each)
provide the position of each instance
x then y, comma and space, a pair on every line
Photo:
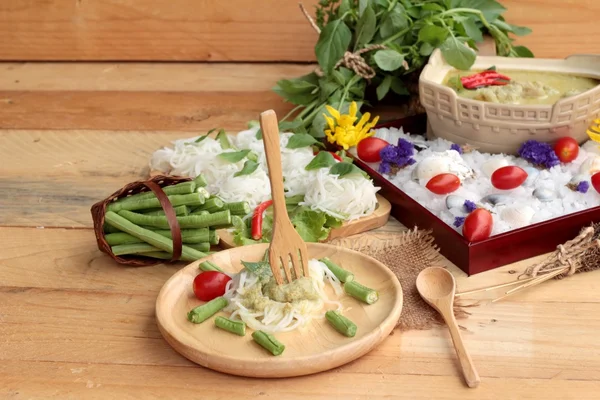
342, 130
594, 131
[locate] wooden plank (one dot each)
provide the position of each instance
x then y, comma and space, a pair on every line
68, 259
118, 110
178, 30
236, 30
39, 380
145, 77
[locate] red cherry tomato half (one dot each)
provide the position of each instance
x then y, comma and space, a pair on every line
478, 225
443, 183
566, 149
368, 149
210, 284
596, 181
508, 177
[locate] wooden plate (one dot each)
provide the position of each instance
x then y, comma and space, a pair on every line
377, 219
316, 347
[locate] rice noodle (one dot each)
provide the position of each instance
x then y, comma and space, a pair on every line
279, 316
348, 198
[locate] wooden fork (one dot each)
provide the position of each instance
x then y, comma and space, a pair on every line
286, 242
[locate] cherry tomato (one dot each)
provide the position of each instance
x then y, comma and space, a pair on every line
508, 177
566, 149
596, 181
478, 225
443, 183
210, 284
368, 149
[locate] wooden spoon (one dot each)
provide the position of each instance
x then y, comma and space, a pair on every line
286, 242
436, 286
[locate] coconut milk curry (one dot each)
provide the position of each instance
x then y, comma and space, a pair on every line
524, 87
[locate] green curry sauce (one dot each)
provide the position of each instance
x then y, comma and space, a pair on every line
525, 87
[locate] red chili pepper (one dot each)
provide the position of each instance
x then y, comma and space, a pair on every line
257, 219
484, 77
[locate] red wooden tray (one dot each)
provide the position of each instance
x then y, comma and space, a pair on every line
498, 250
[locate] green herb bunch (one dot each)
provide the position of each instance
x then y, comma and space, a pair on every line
396, 38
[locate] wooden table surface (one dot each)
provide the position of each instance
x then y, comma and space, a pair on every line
75, 325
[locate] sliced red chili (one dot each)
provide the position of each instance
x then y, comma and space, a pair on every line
257, 219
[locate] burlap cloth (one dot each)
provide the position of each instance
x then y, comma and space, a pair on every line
407, 254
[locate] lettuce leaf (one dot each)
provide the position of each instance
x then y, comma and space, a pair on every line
310, 224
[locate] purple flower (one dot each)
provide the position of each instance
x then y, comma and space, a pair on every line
458, 221
394, 157
385, 167
470, 206
583, 186
389, 153
538, 153
457, 148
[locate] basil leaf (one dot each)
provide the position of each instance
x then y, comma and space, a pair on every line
343, 8
299, 91
366, 27
234, 156
327, 86
458, 54
433, 34
201, 138
223, 140
413, 12
290, 125
395, 21
345, 168
517, 30
491, 9
398, 86
455, 83
471, 29
384, 87
362, 5
332, 44
317, 127
249, 167
426, 49
388, 60
299, 140
252, 156
323, 159
523, 51
430, 8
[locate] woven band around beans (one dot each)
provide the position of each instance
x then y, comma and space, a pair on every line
155, 184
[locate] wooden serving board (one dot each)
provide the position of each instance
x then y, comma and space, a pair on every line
313, 348
376, 220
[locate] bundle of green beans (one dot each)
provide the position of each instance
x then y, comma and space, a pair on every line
138, 225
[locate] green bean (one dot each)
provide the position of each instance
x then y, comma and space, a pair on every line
201, 235
268, 342
237, 327
180, 188
211, 205
179, 210
194, 199
360, 292
209, 266
238, 208
213, 237
190, 221
203, 247
201, 313
149, 236
163, 255
200, 181
339, 272
341, 324
134, 248
119, 238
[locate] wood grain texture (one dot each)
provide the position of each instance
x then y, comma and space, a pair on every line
97, 337
308, 350
237, 30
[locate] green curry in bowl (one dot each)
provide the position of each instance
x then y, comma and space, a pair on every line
524, 87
